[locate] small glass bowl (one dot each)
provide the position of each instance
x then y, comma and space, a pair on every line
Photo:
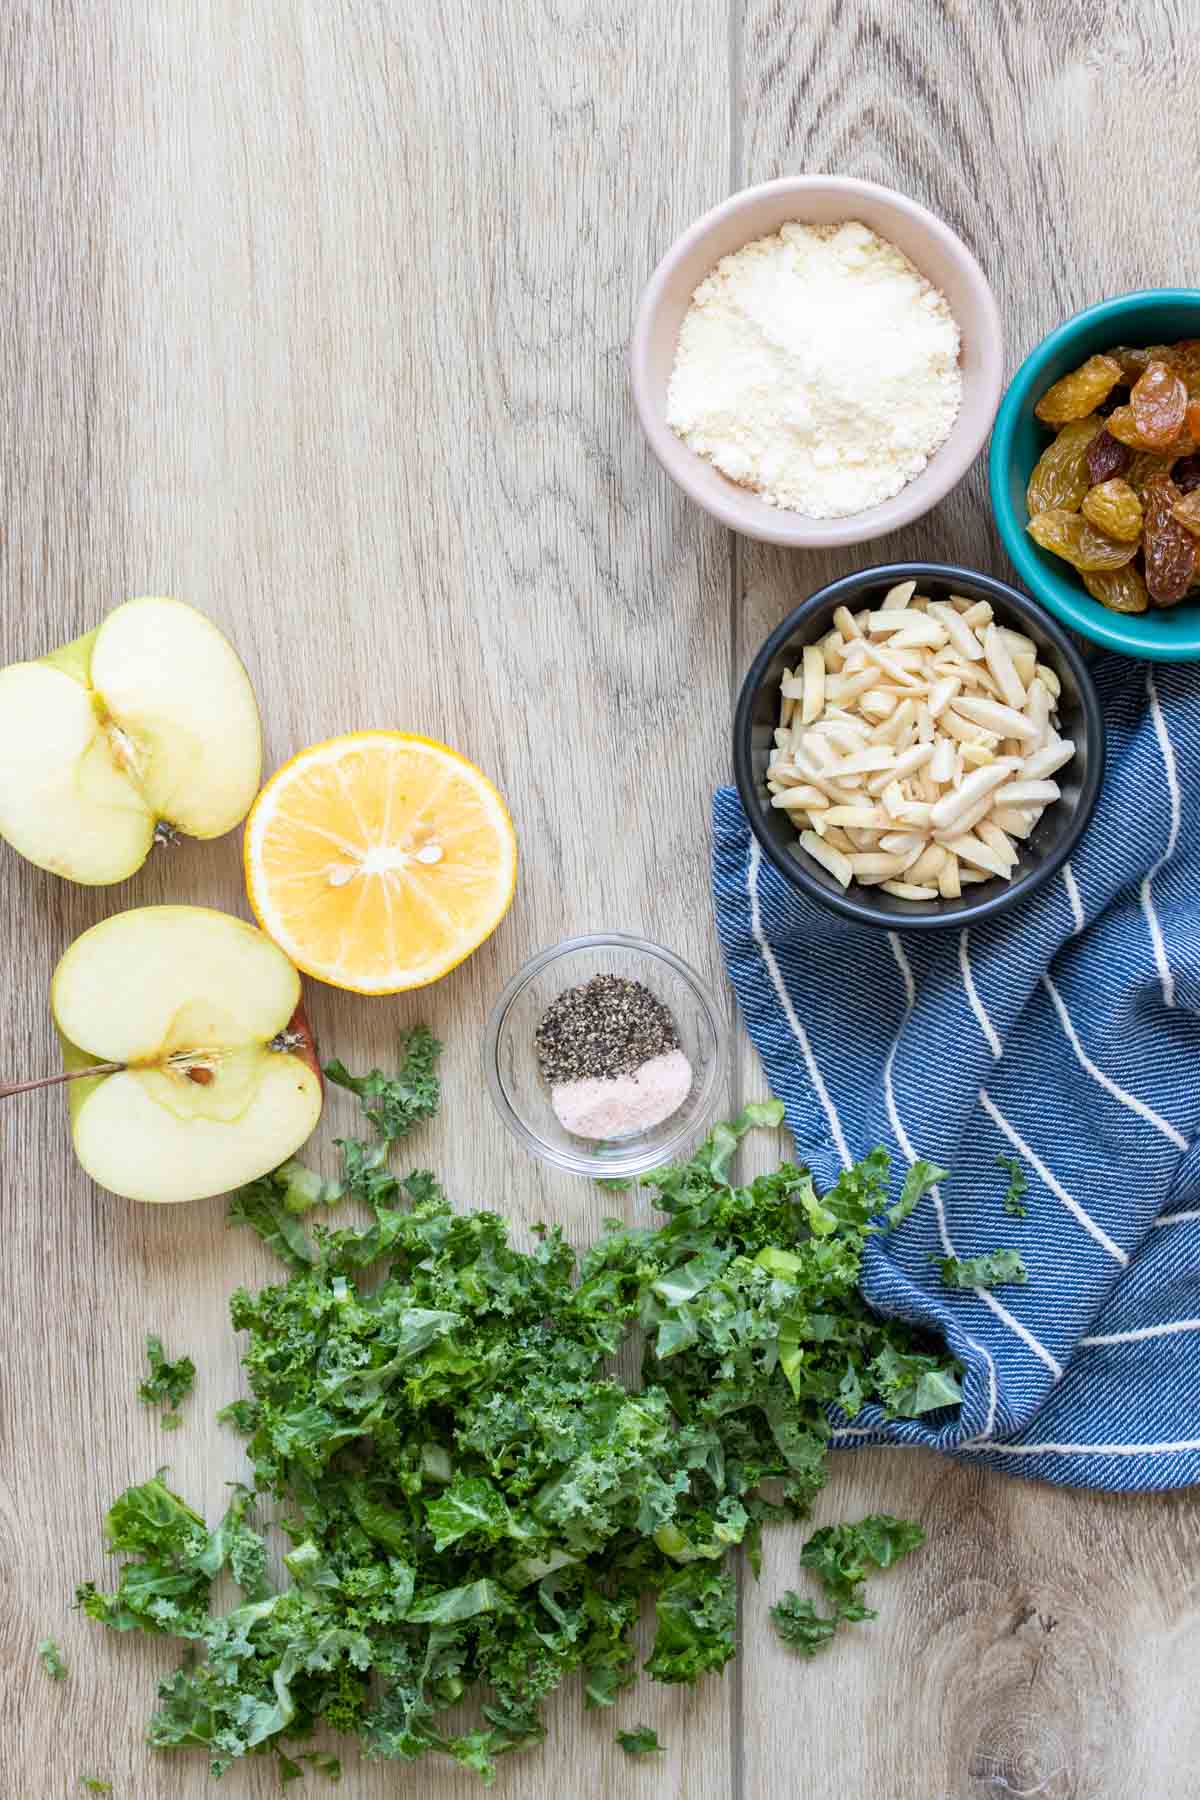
515, 1082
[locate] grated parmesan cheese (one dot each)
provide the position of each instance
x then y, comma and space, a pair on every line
819, 368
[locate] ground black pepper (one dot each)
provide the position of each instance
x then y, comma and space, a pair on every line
604, 1028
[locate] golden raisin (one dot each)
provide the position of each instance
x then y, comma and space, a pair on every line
1185, 360
1187, 511
1077, 541
1115, 508
1122, 425
1147, 463
1080, 392
1158, 401
1121, 590
1170, 550
1061, 476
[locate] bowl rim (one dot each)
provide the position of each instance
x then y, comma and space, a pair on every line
845, 903
613, 1163
1115, 631
797, 530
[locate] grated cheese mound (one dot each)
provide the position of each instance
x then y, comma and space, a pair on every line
819, 368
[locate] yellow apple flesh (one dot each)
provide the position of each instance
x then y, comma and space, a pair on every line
220, 1082
150, 718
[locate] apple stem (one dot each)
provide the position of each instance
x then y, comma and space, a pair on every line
28, 1087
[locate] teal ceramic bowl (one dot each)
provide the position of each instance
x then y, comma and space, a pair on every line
1159, 316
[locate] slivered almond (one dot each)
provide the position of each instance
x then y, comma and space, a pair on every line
941, 766
928, 863
1013, 822
941, 694
894, 727
972, 850
916, 745
1048, 760
863, 818
1000, 662
990, 834
960, 635
877, 704
893, 665
830, 859
814, 684
908, 890
875, 862
1031, 793
833, 650
969, 792
865, 762
907, 763
1005, 721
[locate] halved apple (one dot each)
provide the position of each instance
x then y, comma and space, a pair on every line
148, 721
218, 1078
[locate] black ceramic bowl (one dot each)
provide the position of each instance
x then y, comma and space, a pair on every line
1057, 831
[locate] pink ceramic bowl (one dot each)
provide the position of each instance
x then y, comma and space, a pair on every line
817, 200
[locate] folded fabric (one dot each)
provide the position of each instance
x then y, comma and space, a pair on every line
1065, 1034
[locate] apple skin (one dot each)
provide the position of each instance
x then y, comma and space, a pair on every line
306, 1049
75, 659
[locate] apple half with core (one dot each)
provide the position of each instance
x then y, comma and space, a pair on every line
208, 1074
146, 727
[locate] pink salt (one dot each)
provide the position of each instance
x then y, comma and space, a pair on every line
618, 1106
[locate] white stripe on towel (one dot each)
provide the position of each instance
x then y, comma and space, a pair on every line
789, 1011
1073, 895
1051, 1181
1089, 1449
977, 1006
1147, 1331
1106, 1082
902, 1138
1168, 756
1175, 1218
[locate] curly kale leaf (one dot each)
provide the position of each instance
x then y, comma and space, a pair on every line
641, 1741
395, 1104
167, 1588
265, 1206
1018, 1186
841, 1557
799, 1624
910, 1382
990, 1270
168, 1384
52, 1660
477, 1503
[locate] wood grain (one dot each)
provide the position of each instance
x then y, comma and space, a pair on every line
315, 314
1044, 1642
317, 319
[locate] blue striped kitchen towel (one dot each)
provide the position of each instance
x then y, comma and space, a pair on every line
1067, 1035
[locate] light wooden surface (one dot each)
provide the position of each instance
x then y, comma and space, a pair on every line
314, 313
